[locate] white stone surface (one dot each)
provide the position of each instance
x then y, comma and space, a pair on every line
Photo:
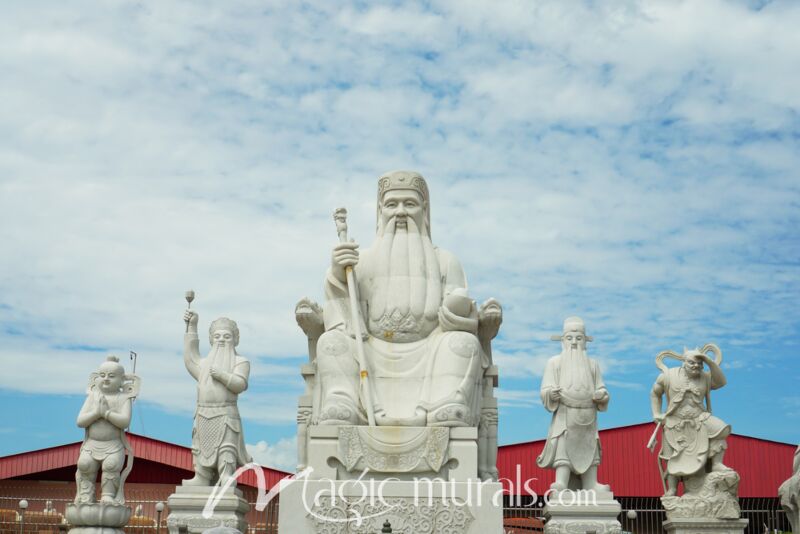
186, 510
567, 513
573, 390
104, 416
411, 396
705, 526
789, 493
307, 507
218, 447
693, 438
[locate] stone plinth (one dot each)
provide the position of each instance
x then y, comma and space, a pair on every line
571, 512
186, 510
342, 452
97, 518
349, 507
703, 526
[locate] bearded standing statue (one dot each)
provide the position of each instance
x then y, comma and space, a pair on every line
218, 447
425, 340
573, 389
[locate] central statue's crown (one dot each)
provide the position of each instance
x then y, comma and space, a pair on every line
403, 180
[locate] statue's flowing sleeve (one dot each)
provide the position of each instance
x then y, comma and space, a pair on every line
599, 385
336, 311
549, 381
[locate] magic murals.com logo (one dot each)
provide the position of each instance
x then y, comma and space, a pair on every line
366, 493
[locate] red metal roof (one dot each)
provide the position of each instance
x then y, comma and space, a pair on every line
631, 470
157, 461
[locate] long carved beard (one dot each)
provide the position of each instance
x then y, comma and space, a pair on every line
222, 358
576, 374
406, 275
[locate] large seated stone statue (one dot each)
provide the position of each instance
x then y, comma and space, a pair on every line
423, 343
693, 441
412, 395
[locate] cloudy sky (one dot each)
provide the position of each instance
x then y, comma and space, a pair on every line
634, 163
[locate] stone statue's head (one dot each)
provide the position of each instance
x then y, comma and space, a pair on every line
693, 362
110, 375
574, 335
223, 332
404, 195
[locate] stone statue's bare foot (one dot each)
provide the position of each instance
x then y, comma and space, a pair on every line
454, 414
720, 467
418, 419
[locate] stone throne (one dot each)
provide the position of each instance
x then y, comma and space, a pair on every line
395, 456
341, 452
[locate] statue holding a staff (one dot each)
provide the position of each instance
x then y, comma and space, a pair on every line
413, 351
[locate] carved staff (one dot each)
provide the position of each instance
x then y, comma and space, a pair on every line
340, 217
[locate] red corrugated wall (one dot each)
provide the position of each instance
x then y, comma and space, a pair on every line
631, 469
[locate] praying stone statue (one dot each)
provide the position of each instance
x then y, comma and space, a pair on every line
693, 440
218, 447
789, 493
572, 388
425, 337
104, 416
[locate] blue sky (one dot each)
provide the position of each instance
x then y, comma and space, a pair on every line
634, 163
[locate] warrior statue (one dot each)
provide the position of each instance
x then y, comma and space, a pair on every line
425, 342
105, 415
692, 438
573, 389
218, 447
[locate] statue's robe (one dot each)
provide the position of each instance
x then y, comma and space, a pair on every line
411, 359
573, 438
217, 425
691, 433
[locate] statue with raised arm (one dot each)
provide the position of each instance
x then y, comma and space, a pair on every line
105, 415
693, 440
218, 447
573, 389
425, 342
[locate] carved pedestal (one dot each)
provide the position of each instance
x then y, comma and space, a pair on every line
579, 512
698, 525
421, 507
97, 518
424, 480
186, 510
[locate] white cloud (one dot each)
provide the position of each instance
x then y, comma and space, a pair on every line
281, 455
632, 163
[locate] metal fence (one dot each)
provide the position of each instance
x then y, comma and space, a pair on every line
640, 515
644, 515
46, 516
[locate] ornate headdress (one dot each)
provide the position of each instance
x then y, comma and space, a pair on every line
573, 324
223, 323
410, 180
